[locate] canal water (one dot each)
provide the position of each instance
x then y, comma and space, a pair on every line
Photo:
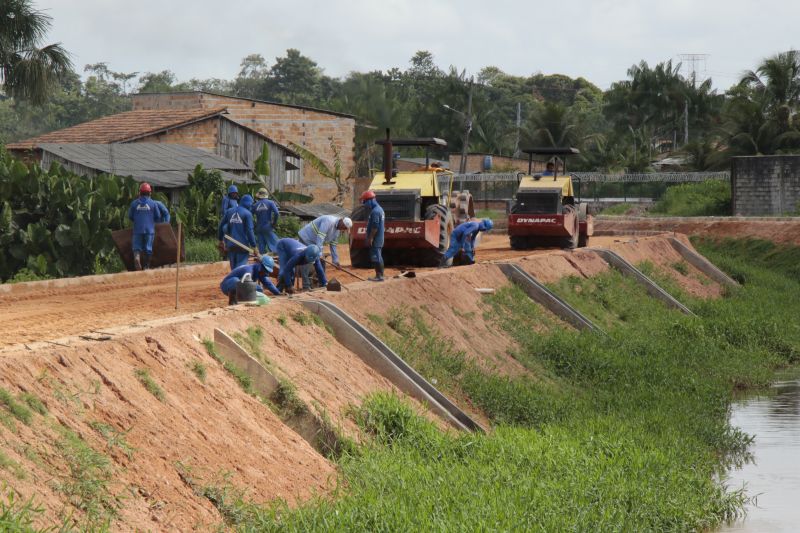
772, 479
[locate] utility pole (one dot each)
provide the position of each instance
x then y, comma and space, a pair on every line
519, 124
686, 122
467, 129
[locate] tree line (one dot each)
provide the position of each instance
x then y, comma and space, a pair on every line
654, 110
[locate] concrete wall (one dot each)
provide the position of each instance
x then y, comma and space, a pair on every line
309, 128
766, 185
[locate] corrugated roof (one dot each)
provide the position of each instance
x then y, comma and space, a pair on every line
120, 127
312, 211
165, 165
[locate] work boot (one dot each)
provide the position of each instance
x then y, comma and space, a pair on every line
146, 262
378, 272
232, 300
443, 262
137, 261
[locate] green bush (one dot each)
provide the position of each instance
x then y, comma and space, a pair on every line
54, 223
202, 250
706, 198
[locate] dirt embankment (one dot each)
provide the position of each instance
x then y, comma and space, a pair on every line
167, 454
781, 231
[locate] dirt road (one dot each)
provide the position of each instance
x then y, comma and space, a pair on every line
53, 309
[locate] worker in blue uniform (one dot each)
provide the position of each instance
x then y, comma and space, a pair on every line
291, 254
238, 223
267, 216
258, 273
463, 239
230, 200
145, 214
375, 230
321, 231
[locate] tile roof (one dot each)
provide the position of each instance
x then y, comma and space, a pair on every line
120, 127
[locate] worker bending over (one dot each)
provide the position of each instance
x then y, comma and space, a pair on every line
291, 254
267, 216
145, 214
375, 230
321, 231
258, 273
463, 238
238, 223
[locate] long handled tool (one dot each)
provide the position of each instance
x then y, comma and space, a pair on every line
243, 246
344, 270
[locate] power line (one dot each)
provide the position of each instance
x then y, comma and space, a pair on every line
691, 62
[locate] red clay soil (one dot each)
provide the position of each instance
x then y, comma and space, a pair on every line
202, 430
781, 231
199, 433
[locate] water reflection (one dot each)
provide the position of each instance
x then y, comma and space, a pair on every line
773, 478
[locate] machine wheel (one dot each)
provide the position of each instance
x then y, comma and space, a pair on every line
359, 257
462, 206
583, 215
572, 242
434, 257
583, 240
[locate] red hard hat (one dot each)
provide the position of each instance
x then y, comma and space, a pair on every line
368, 195
145, 188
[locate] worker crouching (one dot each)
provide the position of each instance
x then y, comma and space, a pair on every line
292, 254
258, 273
463, 240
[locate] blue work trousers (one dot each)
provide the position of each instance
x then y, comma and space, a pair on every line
375, 254
143, 242
267, 240
237, 257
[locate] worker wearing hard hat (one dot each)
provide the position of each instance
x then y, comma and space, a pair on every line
267, 216
291, 254
145, 214
237, 222
463, 238
375, 230
258, 273
321, 231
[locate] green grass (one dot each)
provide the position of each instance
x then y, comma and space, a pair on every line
624, 432
618, 209
114, 438
33, 401
6, 463
202, 250
87, 483
251, 340
20, 411
241, 377
706, 198
18, 516
199, 370
144, 377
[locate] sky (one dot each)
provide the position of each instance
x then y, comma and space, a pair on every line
596, 39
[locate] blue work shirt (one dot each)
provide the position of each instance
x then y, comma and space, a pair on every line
257, 273
146, 213
466, 231
228, 203
292, 253
266, 213
238, 223
375, 221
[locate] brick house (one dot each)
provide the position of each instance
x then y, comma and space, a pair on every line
306, 126
211, 130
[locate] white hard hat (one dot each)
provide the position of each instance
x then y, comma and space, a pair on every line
347, 222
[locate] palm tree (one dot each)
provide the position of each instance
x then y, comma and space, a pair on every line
333, 173
26, 71
778, 78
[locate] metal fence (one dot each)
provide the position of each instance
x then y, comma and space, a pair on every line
486, 188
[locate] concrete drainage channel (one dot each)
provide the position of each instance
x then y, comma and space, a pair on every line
540, 294
627, 269
305, 423
358, 339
